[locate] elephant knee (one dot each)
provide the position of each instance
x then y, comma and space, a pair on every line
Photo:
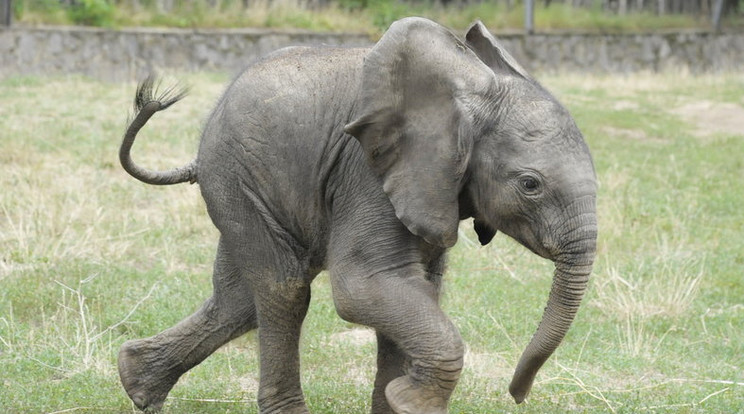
350, 307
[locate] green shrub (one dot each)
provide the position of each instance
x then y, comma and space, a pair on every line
353, 4
385, 12
92, 13
43, 6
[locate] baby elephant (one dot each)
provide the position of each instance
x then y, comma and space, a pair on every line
363, 162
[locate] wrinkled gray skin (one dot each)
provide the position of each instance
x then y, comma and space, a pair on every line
363, 162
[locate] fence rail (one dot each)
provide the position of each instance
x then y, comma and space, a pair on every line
6, 13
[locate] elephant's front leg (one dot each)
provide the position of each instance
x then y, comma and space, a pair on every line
391, 364
150, 367
402, 306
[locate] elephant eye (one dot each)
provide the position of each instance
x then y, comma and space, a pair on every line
529, 185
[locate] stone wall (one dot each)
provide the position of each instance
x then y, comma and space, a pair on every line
693, 51
131, 53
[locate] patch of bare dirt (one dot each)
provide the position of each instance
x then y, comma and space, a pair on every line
355, 337
488, 365
632, 134
626, 133
623, 105
710, 118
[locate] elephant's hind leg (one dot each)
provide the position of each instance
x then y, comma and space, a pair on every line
150, 367
277, 270
281, 314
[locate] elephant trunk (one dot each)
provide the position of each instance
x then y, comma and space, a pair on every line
572, 269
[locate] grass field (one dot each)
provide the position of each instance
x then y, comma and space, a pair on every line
90, 257
335, 17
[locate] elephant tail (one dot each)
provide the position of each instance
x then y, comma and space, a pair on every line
146, 103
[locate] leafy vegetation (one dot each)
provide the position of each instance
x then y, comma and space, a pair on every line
90, 257
345, 15
91, 13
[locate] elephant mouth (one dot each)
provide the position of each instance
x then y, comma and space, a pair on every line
538, 250
532, 242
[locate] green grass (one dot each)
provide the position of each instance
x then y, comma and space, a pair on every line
334, 17
90, 258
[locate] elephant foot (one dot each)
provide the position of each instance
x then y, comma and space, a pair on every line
145, 375
405, 397
298, 409
284, 405
381, 406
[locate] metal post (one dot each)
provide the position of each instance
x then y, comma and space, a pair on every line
717, 11
6, 12
529, 16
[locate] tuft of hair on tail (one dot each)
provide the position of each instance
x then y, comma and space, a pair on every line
150, 98
151, 90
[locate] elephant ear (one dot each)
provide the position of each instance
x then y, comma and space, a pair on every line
419, 84
493, 53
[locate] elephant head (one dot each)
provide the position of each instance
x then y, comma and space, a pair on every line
458, 129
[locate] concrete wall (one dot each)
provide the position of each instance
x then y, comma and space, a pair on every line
131, 53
